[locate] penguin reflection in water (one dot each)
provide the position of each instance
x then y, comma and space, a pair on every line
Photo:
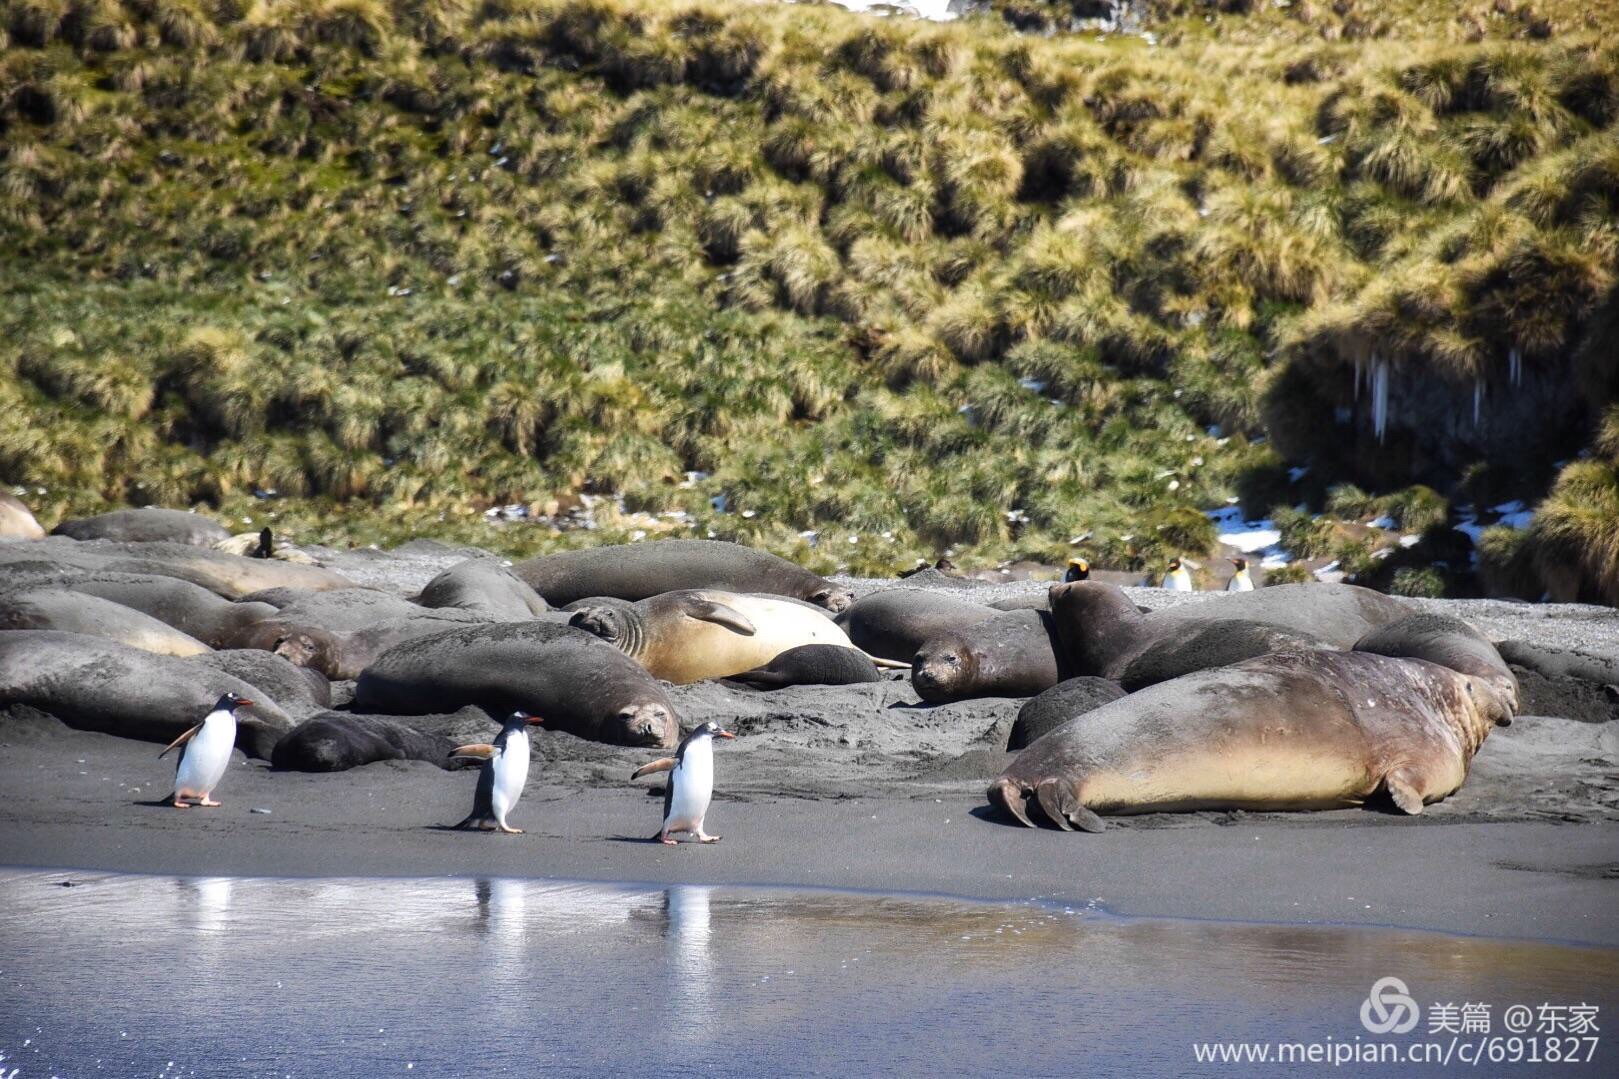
504, 771
204, 754
691, 784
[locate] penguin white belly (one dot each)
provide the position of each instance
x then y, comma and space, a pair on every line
1240, 583
511, 772
693, 781
1179, 581
205, 759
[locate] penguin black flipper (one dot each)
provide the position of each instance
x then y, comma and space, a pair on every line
180, 742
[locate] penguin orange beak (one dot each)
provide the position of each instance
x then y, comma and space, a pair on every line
242, 704
725, 734
535, 721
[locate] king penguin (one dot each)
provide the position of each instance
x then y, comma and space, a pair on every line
1078, 570
504, 771
204, 753
691, 784
1177, 579
1240, 581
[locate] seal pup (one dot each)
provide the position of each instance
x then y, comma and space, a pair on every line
1011, 655
504, 771
1177, 579
205, 753
812, 665
1078, 570
1240, 581
691, 784
1286, 731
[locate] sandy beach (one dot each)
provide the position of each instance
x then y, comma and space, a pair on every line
864, 787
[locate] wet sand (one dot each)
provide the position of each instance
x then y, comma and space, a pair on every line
863, 787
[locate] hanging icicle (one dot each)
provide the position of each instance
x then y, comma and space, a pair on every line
1478, 398
1380, 396
1515, 366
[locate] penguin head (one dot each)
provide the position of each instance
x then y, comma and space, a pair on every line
230, 702
1078, 570
712, 730
1174, 564
523, 719
1240, 563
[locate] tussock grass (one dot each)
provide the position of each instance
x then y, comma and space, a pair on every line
423, 256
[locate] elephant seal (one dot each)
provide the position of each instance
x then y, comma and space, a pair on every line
1449, 642
1102, 633
1594, 667
228, 575
339, 634
690, 636
99, 685
48, 608
336, 742
1051, 709
17, 520
579, 683
894, 623
299, 691
1339, 614
146, 525
812, 665
486, 587
1010, 655
640, 571
189, 608
1292, 730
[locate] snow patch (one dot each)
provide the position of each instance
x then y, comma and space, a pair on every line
1260, 537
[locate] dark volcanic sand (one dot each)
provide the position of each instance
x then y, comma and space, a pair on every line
862, 787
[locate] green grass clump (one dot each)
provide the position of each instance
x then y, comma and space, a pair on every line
915, 286
1303, 534
1292, 573
1424, 582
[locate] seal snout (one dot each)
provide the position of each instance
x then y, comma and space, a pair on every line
836, 600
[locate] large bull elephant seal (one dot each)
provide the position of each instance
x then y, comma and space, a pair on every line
575, 681
893, 624
1293, 730
51, 608
1339, 614
17, 520
812, 665
484, 586
336, 742
1011, 655
690, 636
639, 571
189, 608
1102, 633
1049, 710
146, 525
99, 685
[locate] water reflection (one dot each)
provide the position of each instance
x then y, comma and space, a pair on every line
364, 977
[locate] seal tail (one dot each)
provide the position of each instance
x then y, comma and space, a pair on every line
1009, 796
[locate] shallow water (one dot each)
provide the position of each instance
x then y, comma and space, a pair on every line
131, 975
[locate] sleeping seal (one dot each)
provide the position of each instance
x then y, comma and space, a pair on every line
1292, 730
639, 571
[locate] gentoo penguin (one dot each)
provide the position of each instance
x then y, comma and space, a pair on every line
691, 783
1177, 579
1078, 570
1240, 581
504, 771
205, 753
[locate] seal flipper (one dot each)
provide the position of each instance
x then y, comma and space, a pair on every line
707, 610
1062, 805
1403, 792
1009, 796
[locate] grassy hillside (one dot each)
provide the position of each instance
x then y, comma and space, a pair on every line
909, 287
